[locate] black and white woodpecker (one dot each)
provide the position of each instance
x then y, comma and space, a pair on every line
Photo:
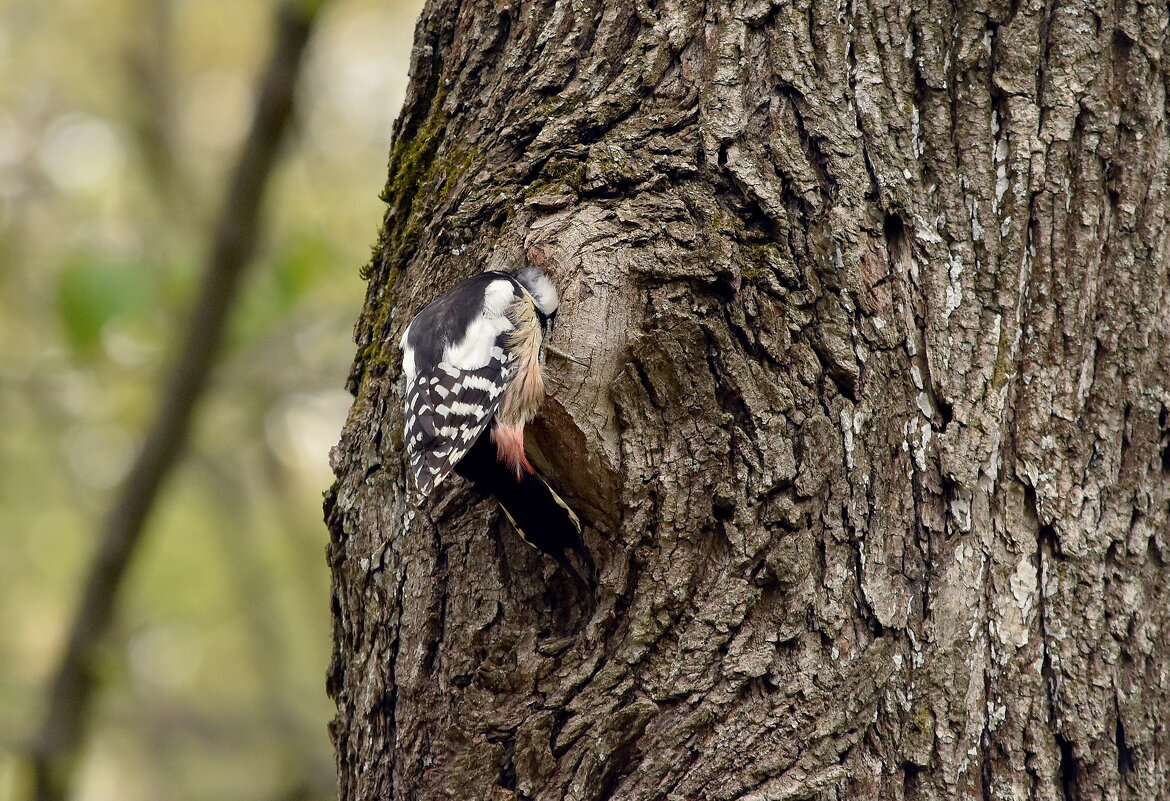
473, 362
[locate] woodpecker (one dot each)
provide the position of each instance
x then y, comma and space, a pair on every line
472, 361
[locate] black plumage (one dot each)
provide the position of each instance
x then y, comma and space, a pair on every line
454, 388
453, 312
536, 511
472, 365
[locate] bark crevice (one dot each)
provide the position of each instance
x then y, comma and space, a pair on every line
865, 298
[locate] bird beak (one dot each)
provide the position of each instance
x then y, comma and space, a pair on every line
555, 351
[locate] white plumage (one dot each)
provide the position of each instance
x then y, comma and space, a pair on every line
457, 360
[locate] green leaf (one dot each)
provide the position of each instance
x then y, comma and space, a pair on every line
92, 291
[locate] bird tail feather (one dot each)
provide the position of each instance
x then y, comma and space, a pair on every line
539, 515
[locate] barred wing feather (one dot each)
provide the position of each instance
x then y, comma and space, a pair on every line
446, 411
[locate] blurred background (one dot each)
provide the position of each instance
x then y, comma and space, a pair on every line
119, 123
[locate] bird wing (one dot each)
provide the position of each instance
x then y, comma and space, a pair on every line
446, 411
457, 365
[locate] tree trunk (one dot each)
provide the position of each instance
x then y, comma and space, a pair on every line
873, 445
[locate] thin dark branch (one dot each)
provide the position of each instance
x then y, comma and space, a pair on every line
55, 748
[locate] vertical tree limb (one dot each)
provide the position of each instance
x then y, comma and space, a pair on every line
55, 748
873, 449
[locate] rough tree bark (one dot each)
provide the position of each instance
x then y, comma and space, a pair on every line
874, 441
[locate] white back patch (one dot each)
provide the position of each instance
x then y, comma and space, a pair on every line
474, 350
408, 365
497, 297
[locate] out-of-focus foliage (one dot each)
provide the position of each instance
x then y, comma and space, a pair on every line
118, 122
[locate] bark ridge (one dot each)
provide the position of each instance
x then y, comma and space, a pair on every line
873, 447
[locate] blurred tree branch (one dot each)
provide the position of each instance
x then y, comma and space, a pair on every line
151, 72
54, 751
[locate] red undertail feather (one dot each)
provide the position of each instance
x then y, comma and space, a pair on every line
509, 441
